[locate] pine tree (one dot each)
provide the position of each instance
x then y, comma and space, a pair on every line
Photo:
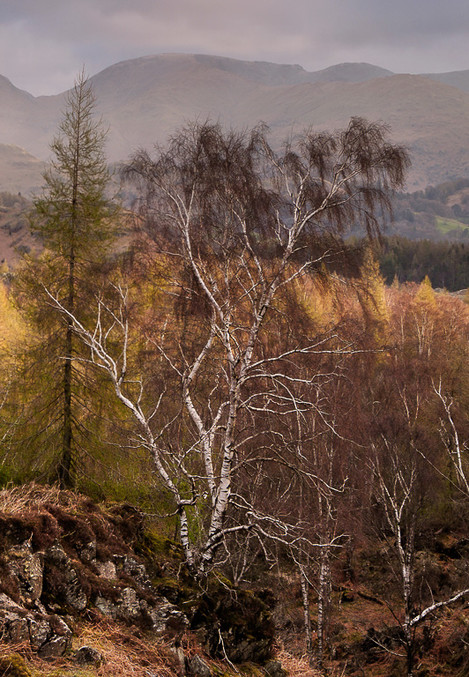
74, 218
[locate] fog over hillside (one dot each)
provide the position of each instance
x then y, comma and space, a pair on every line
145, 100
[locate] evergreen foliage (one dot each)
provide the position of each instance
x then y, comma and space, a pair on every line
74, 217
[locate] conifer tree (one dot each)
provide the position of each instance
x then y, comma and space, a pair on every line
73, 216
371, 295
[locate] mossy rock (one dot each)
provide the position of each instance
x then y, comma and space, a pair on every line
151, 543
14, 666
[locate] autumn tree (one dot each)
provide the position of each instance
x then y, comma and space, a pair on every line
414, 428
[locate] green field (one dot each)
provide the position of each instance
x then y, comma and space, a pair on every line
447, 225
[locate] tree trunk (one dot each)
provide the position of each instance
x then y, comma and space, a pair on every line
323, 602
307, 617
65, 465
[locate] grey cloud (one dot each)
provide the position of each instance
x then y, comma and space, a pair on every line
42, 42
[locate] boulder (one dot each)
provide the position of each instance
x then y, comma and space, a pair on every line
197, 667
87, 655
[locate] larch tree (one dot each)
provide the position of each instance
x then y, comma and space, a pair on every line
74, 219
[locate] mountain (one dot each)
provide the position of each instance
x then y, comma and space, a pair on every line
20, 172
145, 100
458, 79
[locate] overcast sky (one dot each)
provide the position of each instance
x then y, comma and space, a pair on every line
44, 43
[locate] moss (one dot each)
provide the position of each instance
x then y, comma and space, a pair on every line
170, 588
151, 542
250, 670
13, 666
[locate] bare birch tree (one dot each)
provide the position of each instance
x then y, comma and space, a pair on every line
235, 224
402, 486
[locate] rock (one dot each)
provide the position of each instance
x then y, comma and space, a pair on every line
39, 632
8, 603
54, 648
237, 626
88, 552
107, 570
128, 608
180, 657
48, 635
197, 667
132, 568
274, 669
15, 628
27, 567
62, 579
106, 607
87, 655
166, 618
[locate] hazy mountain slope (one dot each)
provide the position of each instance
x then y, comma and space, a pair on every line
145, 100
19, 171
459, 79
349, 72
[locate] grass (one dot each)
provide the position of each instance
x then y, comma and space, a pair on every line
447, 225
15, 500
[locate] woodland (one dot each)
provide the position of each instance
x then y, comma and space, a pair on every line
222, 355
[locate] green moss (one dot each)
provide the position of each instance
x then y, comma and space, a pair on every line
250, 670
153, 542
14, 666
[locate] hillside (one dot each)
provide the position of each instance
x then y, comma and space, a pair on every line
145, 100
19, 170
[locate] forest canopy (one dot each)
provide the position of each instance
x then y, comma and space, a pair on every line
242, 370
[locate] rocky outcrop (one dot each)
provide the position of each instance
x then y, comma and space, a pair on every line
59, 565
50, 575
48, 635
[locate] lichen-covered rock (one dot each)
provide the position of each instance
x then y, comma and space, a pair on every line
132, 568
39, 632
162, 617
55, 647
88, 551
128, 607
27, 567
166, 618
107, 570
61, 579
274, 669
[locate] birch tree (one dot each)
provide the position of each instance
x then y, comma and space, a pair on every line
232, 225
403, 481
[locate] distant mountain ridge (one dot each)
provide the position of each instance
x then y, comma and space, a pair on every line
145, 100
